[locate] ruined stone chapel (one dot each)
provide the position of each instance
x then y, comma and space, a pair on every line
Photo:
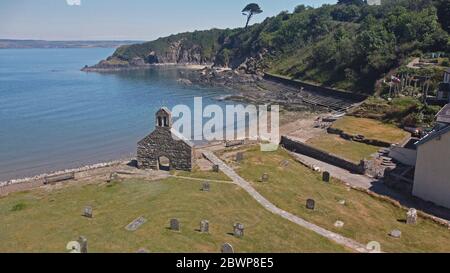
164, 148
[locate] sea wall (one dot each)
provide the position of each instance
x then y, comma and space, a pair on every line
325, 91
302, 148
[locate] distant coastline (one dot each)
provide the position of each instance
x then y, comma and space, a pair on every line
28, 44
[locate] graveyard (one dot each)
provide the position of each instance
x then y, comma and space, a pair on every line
203, 211
132, 215
337, 207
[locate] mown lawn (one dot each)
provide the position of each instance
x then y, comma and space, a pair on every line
371, 129
46, 219
350, 150
366, 218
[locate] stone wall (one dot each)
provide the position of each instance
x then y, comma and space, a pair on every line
302, 148
341, 94
161, 143
358, 138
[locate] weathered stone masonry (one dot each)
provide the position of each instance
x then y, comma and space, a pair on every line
164, 142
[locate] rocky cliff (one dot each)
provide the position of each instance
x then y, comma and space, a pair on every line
199, 47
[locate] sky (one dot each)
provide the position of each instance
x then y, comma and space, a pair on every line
127, 19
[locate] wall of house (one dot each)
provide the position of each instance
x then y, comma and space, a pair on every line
447, 77
404, 155
432, 176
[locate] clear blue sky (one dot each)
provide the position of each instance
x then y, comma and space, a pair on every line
127, 19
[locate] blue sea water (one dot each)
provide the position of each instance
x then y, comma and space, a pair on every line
53, 116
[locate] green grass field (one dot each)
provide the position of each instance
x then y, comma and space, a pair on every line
371, 129
350, 150
366, 218
45, 220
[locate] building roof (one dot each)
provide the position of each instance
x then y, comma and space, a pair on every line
164, 109
434, 134
444, 115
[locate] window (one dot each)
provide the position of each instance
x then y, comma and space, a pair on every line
160, 124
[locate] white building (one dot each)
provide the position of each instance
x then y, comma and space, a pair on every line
374, 2
432, 174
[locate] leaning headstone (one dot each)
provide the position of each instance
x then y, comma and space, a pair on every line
238, 230
206, 187
284, 163
216, 168
411, 217
137, 223
175, 224
326, 177
264, 177
310, 204
396, 233
227, 248
204, 226
83, 244
239, 156
88, 212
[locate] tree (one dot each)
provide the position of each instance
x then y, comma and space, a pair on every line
250, 10
443, 12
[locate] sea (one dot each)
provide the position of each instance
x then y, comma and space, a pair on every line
55, 117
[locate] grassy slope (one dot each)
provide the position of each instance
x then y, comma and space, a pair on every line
371, 129
346, 47
350, 150
366, 218
44, 221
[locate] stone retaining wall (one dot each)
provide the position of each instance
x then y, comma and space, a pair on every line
357, 138
327, 91
299, 147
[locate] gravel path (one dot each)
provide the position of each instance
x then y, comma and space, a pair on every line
349, 243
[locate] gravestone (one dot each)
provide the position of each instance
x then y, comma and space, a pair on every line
264, 177
238, 230
326, 177
88, 212
227, 249
310, 204
216, 168
339, 224
113, 177
396, 233
206, 187
175, 224
204, 226
284, 163
137, 223
411, 217
239, 156
342, 202
143, 251
83, 244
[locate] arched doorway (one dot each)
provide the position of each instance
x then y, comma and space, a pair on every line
163, 163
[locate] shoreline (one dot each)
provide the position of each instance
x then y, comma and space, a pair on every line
84, 168
190, 66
